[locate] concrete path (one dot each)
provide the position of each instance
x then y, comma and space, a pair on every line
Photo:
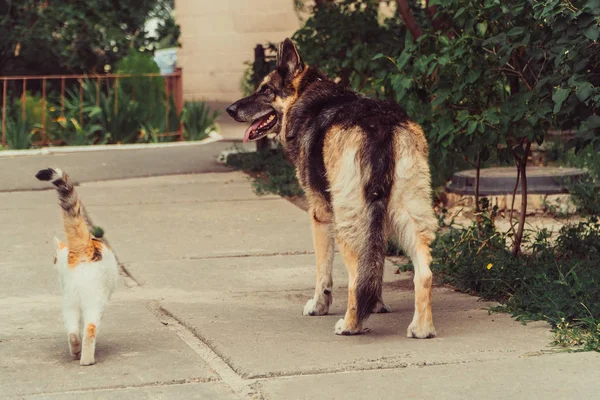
210, 307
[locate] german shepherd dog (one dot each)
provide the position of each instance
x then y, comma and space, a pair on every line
364, 167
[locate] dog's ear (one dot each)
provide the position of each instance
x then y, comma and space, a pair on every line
288, 58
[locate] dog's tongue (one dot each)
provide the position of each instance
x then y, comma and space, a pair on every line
251, 129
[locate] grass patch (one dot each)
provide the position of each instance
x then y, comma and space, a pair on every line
556, 280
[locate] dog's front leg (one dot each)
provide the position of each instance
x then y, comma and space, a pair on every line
323, 240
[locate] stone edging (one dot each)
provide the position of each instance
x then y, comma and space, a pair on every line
212, 137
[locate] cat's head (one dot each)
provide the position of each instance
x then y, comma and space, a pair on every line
61, 253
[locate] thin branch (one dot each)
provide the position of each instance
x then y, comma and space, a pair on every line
409, 19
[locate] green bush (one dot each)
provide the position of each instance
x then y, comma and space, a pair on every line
18, 132
197, 120
557, 280
342, 38
270, 170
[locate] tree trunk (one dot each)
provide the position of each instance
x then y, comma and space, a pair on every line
477, 175
409, 19
520, 229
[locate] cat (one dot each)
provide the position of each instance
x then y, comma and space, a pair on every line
87, 268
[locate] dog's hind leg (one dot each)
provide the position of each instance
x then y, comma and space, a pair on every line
360, 233
413, 218
322, 228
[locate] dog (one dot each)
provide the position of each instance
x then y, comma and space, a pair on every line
363, 165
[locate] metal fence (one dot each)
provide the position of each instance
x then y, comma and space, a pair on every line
15, 89
264, 62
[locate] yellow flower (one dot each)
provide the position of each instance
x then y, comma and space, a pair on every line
62, 121
489, 266
52, 109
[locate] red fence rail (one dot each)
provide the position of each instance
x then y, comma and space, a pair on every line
173, 88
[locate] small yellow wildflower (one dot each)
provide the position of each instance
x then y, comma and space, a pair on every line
489, 266
52, 109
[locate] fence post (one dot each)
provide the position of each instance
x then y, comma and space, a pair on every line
44, 141
4, 113
178, 93
24, 99
260, 71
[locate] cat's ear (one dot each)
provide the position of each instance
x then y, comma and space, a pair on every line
59, 245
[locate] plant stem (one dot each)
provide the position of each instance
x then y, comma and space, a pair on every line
477, 174
523, 172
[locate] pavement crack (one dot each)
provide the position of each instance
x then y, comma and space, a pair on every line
245, 388
186, 381
284, 253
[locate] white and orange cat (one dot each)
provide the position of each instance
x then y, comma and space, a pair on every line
88, 271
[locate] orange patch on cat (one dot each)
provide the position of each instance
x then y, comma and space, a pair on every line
73, 259
90, 331
61, 245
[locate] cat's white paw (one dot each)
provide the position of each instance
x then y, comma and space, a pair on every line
87, 360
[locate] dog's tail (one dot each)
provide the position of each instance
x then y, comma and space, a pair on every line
371, 260
78, 235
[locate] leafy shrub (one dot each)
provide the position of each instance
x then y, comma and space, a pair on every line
18, 132
271, 171
341, 39
557, 280
197, 120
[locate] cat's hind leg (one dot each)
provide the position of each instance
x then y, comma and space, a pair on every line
72, 318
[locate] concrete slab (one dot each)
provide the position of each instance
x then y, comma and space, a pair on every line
17, 173
133, 349
154, 232
239, 274
176, 189
560, 376
264, 334
188, 391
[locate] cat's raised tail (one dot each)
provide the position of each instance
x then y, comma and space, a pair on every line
79, 239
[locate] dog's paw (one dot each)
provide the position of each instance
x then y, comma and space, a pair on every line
316, 306
426, 331
381, 308
342, 329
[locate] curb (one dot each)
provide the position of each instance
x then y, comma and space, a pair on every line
212, 137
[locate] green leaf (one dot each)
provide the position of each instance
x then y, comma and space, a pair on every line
378, 56
462, 115
459, 12
471, 127
516, 31
592, 32
584, 91
559, 96
592, 122
482, 28
473, 75
403, 59
443, 60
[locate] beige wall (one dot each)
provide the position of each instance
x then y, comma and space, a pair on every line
218, 36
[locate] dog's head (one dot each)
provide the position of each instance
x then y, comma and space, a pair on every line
266, 106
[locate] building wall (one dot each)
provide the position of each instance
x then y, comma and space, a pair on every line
218, 36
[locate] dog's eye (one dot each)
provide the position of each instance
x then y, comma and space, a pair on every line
267, 91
